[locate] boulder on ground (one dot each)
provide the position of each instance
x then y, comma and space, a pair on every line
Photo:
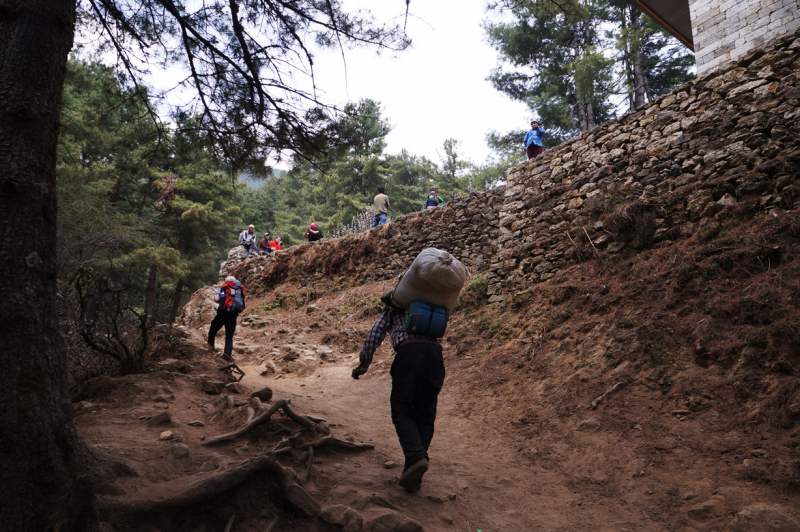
265, 394
390, 521
300, 502
588, 425
705, 510
180, 450
158, 419
342, 518
763, 518
234, 387
211, 387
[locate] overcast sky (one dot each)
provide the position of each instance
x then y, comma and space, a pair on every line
433, 91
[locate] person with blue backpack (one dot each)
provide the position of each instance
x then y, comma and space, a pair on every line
231, 299
433, 200
415, 317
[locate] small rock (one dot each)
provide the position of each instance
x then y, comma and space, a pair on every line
343, 517
234, 387
435, 498
211, 387
451, 496
446, 519
158, 419
230, 402
196, 424
588, 425
704, 511
391, 521
264, 394
689, 496
759, 453
166, 435
311, 308
160, 399
300, 502
763, 518
681, 412
389, 464
256, 403
180, 450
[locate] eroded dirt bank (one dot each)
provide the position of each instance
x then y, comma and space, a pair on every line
698, 342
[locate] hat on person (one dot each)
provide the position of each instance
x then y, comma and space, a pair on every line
313, 225
534, 120
251, 227
266, 234
433, 188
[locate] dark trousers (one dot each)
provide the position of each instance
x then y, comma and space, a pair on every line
417, 378
534, 151
228, 320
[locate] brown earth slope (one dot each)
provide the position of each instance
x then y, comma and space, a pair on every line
697, 339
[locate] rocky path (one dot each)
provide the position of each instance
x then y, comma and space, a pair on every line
476, 481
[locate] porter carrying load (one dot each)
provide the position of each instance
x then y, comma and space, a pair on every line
415, 317
429, 290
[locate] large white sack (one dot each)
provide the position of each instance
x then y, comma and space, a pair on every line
435, 278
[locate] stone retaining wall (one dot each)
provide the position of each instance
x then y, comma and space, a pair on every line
726, 141
679, 162
725, 30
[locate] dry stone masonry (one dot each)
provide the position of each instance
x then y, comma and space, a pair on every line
727, 30
724, 144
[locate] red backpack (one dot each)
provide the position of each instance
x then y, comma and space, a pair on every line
232, 296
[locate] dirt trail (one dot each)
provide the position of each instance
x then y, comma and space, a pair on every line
517, 446
476, 481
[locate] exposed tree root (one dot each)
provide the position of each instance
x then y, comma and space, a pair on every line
195, 492
105, 469
615, 389
330, 441
303, 421
278, 404
310, 463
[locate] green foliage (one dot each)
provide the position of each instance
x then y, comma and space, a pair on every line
475, 292
557, 61
333, 192
144, 214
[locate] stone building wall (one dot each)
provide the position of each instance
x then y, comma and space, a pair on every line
725, 30
728, 140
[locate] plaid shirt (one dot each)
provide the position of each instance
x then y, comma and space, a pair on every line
390, 320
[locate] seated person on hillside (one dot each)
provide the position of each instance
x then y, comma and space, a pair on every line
263, 245
313, 233
433, 200
276, 244
247, 238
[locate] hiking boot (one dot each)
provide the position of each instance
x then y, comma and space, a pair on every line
412, 477
227, 358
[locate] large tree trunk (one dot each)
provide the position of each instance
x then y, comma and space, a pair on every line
42, 486
639, 91
177, 299
150, 294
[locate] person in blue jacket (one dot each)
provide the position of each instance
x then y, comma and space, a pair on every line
533, 140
